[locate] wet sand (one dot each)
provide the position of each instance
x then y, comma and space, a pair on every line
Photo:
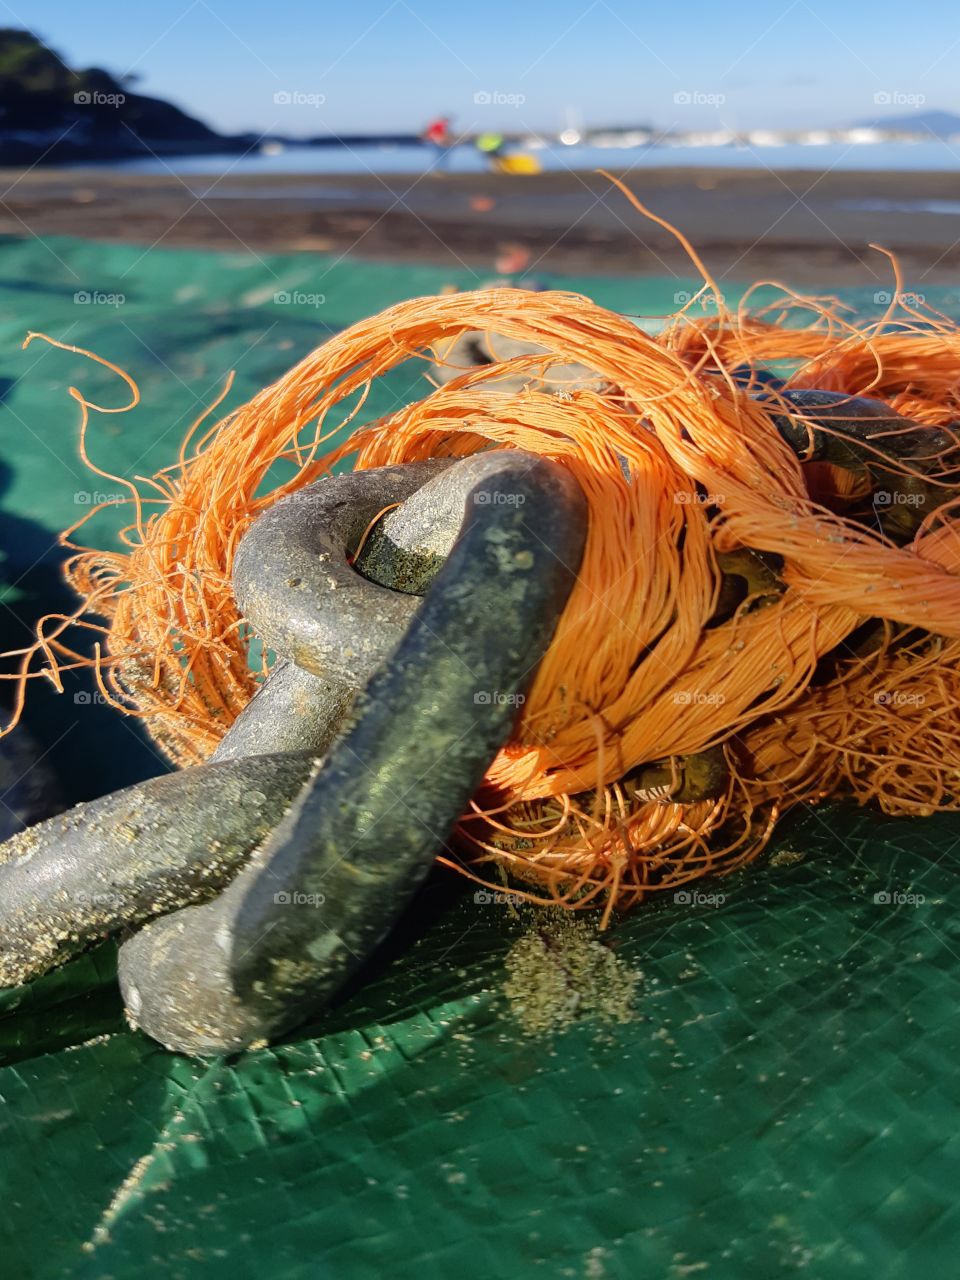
802, 227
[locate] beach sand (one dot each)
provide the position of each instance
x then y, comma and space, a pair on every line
802, 227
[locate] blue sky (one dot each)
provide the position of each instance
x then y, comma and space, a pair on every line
354, 65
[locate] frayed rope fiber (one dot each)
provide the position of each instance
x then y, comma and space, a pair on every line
681, 465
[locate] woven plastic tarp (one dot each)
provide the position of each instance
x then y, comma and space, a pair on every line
783, 1100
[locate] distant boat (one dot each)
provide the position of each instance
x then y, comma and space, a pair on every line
862, 136
765, 138
619, 137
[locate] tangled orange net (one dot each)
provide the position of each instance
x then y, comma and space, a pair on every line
680, 465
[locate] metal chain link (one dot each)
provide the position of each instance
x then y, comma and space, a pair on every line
259, 881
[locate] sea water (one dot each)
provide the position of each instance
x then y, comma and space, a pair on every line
414, 158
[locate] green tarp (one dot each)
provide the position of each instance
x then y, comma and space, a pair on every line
783, 1102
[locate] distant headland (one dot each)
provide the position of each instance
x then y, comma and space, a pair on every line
55, 115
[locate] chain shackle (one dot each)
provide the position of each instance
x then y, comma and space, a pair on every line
330, 795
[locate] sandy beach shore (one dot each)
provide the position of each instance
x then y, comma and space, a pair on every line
803, 227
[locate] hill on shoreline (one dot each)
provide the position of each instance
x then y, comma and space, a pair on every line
53, 113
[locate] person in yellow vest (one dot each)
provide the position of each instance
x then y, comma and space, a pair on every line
494, 147
491, 145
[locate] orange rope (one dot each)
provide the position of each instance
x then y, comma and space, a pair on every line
678, 464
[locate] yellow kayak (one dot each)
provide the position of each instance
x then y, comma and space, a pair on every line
520, 163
